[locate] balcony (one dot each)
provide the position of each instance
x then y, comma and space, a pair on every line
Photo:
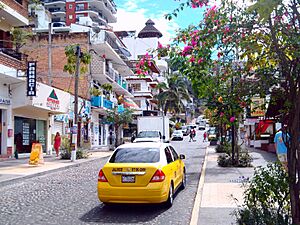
48, 2
101, 102
13, 53
121, 108
56, 10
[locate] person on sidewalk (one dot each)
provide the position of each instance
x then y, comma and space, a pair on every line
204, 136
57, 143
281, 149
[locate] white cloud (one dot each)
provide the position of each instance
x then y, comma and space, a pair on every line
136, 18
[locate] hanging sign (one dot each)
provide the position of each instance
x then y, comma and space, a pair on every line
31, 79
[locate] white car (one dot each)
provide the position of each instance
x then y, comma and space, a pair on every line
148, 136
177, 135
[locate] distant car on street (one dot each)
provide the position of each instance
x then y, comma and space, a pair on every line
177, 135
142, 173
185, 130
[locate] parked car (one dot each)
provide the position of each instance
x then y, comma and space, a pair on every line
212, 134
185, 130
177, 135
142, 173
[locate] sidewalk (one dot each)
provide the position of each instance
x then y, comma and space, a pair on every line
15, 169
221, 185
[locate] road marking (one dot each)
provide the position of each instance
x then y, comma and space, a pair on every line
197, 204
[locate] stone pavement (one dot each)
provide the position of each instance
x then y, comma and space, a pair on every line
222, 188
12, 169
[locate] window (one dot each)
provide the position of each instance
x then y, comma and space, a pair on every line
136, 86
70, 6
70, 17
175, 155
136, 155
168, 155
80, 6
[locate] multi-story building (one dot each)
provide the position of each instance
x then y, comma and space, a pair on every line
85, 12
109, 66
13, 13
144, 87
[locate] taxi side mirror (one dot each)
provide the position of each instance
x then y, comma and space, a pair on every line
181, 156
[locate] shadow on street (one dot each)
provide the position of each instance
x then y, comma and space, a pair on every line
123, 213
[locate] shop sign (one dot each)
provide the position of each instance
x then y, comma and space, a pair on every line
4, 101
52, 101
31, 79
257, 107
251, 121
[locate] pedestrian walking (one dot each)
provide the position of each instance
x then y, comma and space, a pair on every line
204, 136
281, 149
57, 143
192, 135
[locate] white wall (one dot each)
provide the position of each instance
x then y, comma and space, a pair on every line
139, 46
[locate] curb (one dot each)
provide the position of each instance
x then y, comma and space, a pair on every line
197, 204
77, 164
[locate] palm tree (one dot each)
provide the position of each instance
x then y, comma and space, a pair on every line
173, 94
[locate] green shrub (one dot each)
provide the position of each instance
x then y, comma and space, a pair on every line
245, 160
80, 154
266, 198
224, 160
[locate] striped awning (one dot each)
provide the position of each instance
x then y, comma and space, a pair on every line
129, 103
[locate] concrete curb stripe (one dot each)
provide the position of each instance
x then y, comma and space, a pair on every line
197, 204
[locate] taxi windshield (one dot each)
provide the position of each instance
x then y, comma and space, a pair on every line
135, 155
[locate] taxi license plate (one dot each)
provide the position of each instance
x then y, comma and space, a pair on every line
128, 179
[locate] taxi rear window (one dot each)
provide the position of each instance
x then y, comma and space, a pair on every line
135, 155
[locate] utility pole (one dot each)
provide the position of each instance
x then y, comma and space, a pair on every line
50, 54
75, 124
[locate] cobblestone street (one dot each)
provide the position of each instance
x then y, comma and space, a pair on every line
70, 197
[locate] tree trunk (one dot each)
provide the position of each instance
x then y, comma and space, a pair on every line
293, 159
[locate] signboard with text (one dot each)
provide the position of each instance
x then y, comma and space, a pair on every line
257, 107
31, 79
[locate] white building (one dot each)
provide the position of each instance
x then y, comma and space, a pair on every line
144, 87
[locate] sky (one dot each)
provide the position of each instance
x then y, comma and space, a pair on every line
133, 14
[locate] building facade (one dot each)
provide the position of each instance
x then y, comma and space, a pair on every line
12, 66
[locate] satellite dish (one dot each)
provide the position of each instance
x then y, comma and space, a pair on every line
96, 29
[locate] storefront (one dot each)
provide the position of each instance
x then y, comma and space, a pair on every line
29, 131
33, 116
99, 128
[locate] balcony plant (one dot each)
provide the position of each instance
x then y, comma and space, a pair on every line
95, 91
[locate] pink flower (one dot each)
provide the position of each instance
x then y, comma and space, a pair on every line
192, 59
200, 60
232, 119
160, 45
194, 43
221, 114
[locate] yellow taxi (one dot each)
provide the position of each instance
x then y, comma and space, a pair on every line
145, 172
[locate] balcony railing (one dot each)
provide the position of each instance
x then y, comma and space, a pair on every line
56, 10
13, 53
121, 108
100, 101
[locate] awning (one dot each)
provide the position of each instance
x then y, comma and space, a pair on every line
129, 103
